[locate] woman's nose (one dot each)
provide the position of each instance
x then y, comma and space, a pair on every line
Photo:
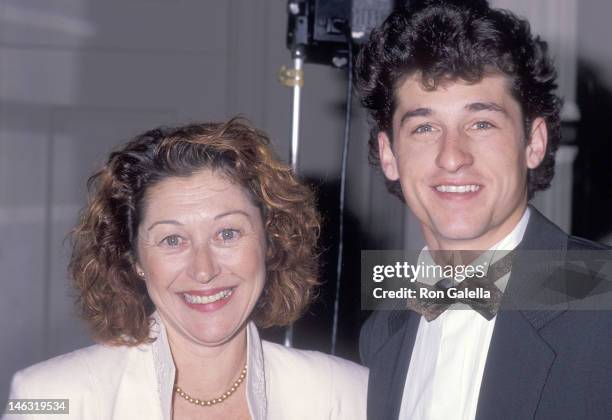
204, 267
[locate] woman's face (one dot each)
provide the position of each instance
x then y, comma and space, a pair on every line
202, 246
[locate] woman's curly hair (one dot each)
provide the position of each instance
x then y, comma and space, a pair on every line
444, 40
113, 298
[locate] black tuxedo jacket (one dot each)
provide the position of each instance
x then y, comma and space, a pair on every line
541, 364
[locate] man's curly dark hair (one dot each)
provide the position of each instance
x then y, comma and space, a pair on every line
445, 40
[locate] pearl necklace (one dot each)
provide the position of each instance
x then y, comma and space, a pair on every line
223, 397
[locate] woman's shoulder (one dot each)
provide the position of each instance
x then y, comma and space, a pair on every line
75, 371
315, 384
317, 362
97, 381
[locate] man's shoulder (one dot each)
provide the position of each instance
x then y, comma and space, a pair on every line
544, 234
378, 330
576, 243
376, 325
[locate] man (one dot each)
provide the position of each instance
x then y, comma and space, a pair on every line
465, 129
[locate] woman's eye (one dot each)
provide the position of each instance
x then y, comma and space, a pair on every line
483, 125
172, 241
227, 235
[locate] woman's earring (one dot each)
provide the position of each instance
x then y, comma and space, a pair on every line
141, 273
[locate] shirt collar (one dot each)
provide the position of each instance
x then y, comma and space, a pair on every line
515, 237
165, 370
501, 248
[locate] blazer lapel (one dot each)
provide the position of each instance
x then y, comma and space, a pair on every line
519, 358
390, 366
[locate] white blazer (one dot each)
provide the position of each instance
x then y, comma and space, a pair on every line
104, 382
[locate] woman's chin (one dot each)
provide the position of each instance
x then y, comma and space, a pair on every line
213, 333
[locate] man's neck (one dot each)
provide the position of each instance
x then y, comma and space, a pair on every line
489, 240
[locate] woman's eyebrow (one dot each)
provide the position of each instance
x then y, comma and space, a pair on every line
230, 212
170, 222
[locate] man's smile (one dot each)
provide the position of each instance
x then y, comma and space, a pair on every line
457, 188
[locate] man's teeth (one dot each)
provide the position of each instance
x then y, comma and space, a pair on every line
458, 188
208, 299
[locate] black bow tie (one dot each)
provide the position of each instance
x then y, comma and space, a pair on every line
480, 293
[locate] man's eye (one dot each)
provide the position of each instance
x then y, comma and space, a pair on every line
172, 241
483, 125
425, 128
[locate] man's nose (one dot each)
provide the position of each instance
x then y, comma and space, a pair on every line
454, 152
204, 266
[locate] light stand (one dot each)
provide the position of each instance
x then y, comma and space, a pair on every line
294, 78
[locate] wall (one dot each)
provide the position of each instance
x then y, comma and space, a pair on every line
78, 77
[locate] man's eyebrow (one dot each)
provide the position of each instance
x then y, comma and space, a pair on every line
486, 106
161, 222
418, 112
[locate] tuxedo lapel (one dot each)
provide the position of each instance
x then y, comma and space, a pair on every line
386, 390
519, 358
516, 370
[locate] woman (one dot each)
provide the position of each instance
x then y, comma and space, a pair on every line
191, 237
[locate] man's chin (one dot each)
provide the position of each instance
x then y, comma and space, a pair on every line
458, 236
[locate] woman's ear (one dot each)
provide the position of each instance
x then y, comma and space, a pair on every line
139, 271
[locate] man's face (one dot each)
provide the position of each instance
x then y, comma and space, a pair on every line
460, 154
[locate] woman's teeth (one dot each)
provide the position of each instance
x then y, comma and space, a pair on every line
458, 188
207, 299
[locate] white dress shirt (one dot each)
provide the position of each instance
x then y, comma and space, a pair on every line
449, 355
127, 383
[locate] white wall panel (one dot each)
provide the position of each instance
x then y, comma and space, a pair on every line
196, 26
195, 84
38, 77
24, 235
556, 21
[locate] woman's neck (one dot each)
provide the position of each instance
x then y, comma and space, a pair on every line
208, 372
